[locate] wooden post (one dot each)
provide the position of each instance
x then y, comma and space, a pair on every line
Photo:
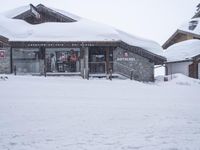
15, 70
86, 60
82, 62
45, 63
131, 74
198, 63
110, 74
107, 60
42, 60
11, 60
196, 70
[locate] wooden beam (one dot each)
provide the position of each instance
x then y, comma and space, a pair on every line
107, 60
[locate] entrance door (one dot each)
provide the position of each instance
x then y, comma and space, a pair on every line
97, 60
193, 70
100, 59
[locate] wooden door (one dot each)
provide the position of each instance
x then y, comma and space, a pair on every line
193, 70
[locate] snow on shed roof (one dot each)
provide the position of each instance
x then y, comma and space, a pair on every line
82, 30
185, 50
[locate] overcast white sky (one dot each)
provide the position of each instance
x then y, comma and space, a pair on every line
151, 19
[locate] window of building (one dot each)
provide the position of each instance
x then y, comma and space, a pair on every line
26, 60
193, 24
62, 59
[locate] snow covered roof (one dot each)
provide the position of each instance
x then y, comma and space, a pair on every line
185, 50
81, 30
14, 12
190, 27
17, 11
187, 26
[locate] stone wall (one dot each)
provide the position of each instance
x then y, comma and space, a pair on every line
130, 64
5, 61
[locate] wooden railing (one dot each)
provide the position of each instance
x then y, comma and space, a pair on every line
98, 67
123, 70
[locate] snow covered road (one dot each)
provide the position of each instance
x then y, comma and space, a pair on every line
38, 113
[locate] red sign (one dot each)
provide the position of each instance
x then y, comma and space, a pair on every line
2, 54
126, 54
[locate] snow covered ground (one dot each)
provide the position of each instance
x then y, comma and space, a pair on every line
62, 113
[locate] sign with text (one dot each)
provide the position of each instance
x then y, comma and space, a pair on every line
60, 45
125, 57
2, 53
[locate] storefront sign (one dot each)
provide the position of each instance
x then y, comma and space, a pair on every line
2, 53
60, 45
45, 45
125, 59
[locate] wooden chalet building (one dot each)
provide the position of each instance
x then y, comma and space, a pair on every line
182, 49
53, 42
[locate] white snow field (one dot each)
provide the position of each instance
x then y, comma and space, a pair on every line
65, 113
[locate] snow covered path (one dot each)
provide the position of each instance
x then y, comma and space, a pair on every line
38, 113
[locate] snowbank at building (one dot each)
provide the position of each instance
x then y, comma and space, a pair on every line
81, 30
177, 79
